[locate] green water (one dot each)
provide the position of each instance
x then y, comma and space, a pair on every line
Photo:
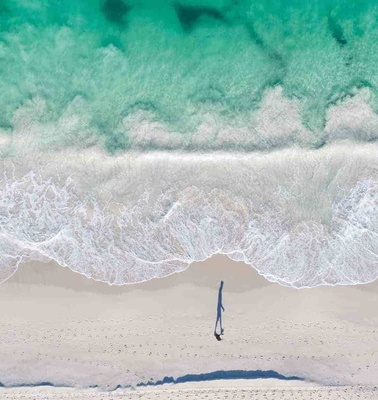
174, 62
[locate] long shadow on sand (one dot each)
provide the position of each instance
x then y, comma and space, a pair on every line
210, 376
30, 385
225, 375
220, 308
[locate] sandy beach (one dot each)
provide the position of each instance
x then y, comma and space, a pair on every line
91, 339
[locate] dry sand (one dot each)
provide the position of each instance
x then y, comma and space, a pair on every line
217, 392
59, 327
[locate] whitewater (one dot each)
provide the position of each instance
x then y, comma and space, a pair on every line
138, 137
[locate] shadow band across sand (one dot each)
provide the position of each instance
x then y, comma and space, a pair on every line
210, 376
33, 385
224, 375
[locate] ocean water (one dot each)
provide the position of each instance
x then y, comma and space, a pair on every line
139, 136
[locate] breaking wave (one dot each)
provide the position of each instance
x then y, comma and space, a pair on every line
302, 220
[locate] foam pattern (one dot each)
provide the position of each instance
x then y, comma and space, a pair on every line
157, 237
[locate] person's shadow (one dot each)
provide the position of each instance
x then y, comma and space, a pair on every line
220, 308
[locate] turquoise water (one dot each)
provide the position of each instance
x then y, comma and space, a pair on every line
118, 63
139, 136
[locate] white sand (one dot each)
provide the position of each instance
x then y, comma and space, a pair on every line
57, 326
217, 392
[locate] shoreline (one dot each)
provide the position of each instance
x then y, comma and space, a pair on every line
55, 264
283, 214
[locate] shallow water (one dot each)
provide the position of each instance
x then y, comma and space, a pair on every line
140, 136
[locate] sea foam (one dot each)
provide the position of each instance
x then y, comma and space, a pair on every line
301, 218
